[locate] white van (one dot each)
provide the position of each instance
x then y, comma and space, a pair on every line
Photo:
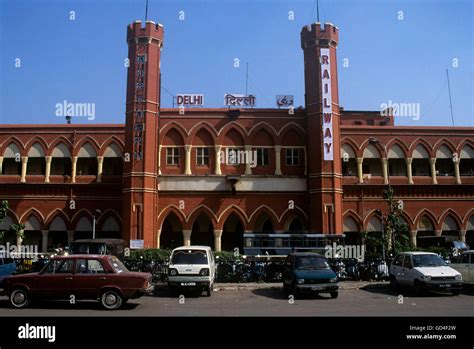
424, 271
192, 267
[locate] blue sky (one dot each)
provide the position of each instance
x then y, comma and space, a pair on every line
389, 59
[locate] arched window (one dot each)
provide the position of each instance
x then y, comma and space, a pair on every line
61, 160
421, 162
396, 161
349, 163
57, 235
11, 160
110, 228
450, 229
33, 234
86, 161
351, 230
444, 161
83, 229
372, 164
466, 165
113, 161
36, 160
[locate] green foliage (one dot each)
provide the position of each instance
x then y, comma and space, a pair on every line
3, 210
19, 229
227, 256
151, 254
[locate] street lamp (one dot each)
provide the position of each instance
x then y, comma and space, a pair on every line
93, 222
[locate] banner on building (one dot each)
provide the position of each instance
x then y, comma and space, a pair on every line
326, 99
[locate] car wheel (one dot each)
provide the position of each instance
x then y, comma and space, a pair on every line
393, 283
19, 298
418, 288
111, 300
334, 294
456, 292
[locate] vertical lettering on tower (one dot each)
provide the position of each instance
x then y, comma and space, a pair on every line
138, 126
326, 99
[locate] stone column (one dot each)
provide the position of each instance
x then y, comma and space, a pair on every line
438, 232
100, 165
73, 169
187, 159
217, 162
385, 170
47, 173
158, 236
277, 160
456, 171
409, 170
187, 237
70, 236
248, 169
44, 241
305, 158
462, 235
24, 166
360, 175
413, 238
159, 159
217, 239
1, 165
433, 171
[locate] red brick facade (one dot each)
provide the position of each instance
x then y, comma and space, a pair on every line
158, 177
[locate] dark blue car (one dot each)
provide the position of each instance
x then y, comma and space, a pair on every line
309, 272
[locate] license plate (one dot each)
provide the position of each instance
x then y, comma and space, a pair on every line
188, 284
316, 288
445, 285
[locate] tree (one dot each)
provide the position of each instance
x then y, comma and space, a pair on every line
3, 214
395, 230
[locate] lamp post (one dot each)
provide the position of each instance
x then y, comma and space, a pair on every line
93, 222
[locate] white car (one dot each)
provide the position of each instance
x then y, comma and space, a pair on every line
192, 267
465, 265
424, 271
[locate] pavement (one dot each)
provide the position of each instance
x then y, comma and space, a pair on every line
355, 299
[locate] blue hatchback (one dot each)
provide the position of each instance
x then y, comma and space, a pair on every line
7, 268
309, 272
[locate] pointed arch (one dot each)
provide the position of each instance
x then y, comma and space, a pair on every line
12, 147
14, 140
192, 216
453, 214
302, 214
113, 139
285, 137
85, 140
32, 211
106, 214
174, 137
287, 125
203, 124
56, 142
467, 216
263, 209
263, 125
57, 212
33, 141
397, 141
234, 131
417, 142
78, 215
232, 209
444, 141
202, 137
167, 210
428, 214
353, 214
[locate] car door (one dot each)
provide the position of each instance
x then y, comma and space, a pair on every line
89, 277
407, 272
396, 267
470, 269
56, 281
462, 266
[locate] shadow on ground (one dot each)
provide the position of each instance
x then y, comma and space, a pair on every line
279, 294
65, 305
386, 290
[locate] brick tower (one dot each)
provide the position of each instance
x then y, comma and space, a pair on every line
140, 186
322, 107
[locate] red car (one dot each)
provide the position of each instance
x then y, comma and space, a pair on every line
100, 277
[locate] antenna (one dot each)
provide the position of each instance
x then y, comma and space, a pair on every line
146, 11
247, 79
317, 9
450, 100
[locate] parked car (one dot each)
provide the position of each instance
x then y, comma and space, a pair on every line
7, 268
309, 272
192, 267
113, 247
424, 271
465, 265
103, 278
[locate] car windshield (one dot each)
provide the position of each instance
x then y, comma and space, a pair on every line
189, 257
118, 266
427, 260
311, 263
